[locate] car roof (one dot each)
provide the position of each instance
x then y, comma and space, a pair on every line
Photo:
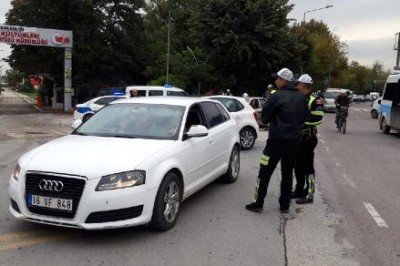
153, 88
170, 100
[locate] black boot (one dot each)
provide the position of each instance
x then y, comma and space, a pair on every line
254, 207
304, 200
297, 194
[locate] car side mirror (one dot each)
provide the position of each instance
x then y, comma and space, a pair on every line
379, 101
76, 124
197, 131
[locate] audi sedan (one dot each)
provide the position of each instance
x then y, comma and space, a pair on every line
132, 163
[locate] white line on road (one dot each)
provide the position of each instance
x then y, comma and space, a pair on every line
350, 181
375, 215
323, 141
337, 164
328, 150
365, 110
356, 109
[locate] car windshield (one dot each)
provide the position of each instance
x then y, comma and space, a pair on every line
135, 120
331, 94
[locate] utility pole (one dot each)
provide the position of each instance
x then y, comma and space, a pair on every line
168, 48
397, 48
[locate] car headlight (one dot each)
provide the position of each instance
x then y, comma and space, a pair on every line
16, 172
122, 180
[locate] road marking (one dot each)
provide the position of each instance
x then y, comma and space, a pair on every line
375, 215
349, 181
31, 242
365, 110
356, 109
337, 164
323, 141
328, 150
17, 240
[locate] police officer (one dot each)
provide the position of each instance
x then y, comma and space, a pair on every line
270, 90
304, 169
285, 112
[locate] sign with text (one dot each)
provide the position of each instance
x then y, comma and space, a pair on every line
20, 35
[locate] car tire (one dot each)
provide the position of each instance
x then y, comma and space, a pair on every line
374, 114
247, 138
86, 117
385, 127
232, 173
169, 196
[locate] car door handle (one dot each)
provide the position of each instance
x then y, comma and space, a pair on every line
211, 141
229, 133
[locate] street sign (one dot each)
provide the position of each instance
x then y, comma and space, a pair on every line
21, 35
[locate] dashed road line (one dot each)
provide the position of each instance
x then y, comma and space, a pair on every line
349, 181
375, 215
322, 141
337, 164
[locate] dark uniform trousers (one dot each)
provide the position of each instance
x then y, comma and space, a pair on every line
277, 150
304, 169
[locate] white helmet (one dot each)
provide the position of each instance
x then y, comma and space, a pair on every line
285, 73
305, 79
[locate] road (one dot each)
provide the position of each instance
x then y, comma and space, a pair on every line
360, 180
354, 171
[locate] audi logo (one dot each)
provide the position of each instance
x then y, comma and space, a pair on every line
51, 185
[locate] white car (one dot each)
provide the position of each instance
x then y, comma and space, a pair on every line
245, 117
86, 110
149, 91
132, 163
257, 103
375, 108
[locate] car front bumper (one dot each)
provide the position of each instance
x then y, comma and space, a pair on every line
98, 203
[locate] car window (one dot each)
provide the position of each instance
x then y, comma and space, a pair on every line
195, 116
105, 100
224, 114
176, 93
155, 93
254, 103
229, 104
135, 120
213, 115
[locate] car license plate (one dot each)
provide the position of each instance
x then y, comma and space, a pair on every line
49, 202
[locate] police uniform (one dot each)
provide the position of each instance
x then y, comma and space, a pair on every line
285, 113
304, 169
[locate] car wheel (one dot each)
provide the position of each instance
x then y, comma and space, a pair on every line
374, 114
86, 117
167, 204
247, 138
232, 173
385, 127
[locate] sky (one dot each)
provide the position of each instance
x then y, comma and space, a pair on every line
366, 26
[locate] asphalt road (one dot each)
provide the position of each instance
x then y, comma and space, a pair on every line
213, 227
360, 182
354, 172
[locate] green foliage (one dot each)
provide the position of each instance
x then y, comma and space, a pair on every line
173, 80
13, 77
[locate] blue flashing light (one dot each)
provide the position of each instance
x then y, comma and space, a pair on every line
118, 93
168, 85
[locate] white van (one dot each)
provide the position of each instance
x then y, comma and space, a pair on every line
147, 91
389, 116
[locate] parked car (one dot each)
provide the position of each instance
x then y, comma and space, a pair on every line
86, 110
258, 103
245, 117
132, 163
155, 91
375, 108
329, 100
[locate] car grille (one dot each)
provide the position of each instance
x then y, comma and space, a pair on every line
73, 188
14, 205
115, 215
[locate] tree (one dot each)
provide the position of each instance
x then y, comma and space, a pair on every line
109, 41
246, 39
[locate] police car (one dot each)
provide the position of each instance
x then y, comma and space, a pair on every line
85, 110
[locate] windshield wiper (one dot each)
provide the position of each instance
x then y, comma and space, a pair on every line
120, 136
80, 134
